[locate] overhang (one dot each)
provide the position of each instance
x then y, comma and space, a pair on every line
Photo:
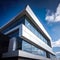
27, 11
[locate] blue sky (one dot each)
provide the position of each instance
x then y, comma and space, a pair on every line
47, 11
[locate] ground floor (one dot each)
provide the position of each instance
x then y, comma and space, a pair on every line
22, 55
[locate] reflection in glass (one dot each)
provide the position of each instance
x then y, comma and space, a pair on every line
32, 49
34, 30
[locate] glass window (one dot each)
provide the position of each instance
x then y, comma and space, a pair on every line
26, 46
43, 53
45, 41
27, 24
32, 49
34, 30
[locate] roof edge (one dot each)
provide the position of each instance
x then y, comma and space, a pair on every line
31, 13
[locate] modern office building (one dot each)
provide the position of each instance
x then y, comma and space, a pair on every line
28, 39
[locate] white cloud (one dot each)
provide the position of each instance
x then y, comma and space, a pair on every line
50, 18
57, 52
53, 17
56, 43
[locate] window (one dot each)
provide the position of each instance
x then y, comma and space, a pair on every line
43, 53
26, 46
32, 49
34, 30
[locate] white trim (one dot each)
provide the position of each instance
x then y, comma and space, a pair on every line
13, 29
35, 19
28, 11
30, 55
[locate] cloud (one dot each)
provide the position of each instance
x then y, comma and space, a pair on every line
56, 43
57, 52
53, 17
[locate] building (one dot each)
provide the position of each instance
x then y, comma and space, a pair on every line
28, 40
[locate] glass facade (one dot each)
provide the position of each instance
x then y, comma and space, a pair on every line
32, 49
34, 30
26, 46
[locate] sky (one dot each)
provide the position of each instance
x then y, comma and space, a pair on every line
47, 11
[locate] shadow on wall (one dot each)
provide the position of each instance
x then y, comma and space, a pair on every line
4, 43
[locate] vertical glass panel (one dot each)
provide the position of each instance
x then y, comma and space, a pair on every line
32, 28
45, 41
38, 52
26, 46
27, 24
43, 53
34, 50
